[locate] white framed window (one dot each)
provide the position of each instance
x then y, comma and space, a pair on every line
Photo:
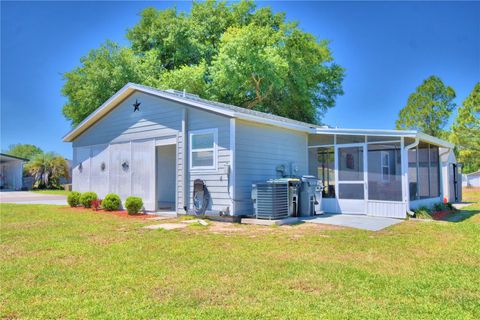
203, 149
385, 158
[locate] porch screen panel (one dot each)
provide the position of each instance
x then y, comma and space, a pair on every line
384, 172
412, 173
143, 174
434, 172
343, 139
120, 167
99, 170
351, 191
326, 171
350, 164
423, 171
321, 140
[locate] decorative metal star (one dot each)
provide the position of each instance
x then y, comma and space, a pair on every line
136, 106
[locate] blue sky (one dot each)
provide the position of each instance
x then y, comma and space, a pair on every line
386, 48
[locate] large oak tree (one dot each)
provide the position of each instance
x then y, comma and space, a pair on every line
233, 53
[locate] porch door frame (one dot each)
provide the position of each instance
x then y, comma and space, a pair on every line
352, 206
160, 142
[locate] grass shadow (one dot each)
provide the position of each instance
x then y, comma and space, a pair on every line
461, 215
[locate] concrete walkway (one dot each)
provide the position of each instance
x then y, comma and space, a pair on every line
25, 197
354, 221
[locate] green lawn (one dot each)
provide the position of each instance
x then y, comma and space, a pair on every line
60, 192
62, 263
471, 194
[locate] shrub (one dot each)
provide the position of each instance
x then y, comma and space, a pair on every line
73, 198
96, 204
111, 202
133, 204
438, 207
423, 213
86, 199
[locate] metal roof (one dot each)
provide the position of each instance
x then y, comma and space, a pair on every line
235, 112
2, 155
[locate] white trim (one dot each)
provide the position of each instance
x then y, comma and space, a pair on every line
368, 132
214, 149
232, 176
363, 182
165, 142
176, 172
130, 168
185, 181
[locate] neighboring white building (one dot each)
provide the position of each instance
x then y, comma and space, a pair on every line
471, 179
156, 144
11, 172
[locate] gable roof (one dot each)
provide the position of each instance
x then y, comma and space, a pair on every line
235, 112
190, 100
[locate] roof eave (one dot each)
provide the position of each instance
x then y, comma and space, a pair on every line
388, 133
434, 140
131, 87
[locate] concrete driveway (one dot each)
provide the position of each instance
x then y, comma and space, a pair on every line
354, 221
25, 197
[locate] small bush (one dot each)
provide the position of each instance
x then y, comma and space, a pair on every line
133, 204
73, 199
86, 199
438, 207
423, 213
111, 202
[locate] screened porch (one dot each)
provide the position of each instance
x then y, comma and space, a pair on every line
374, 174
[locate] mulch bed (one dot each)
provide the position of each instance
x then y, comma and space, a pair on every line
119, 213
440, 215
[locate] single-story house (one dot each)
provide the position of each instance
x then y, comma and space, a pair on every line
11, 172
471, 179
156, 143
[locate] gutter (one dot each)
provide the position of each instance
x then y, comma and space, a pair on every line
410, 146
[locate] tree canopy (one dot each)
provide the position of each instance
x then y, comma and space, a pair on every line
466, 131
232, 53
428, 108
27, 151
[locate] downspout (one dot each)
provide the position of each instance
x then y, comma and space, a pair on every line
410, 146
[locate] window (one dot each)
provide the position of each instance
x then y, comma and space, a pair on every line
203, 149
385, 158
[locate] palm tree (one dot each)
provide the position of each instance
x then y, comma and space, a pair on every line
47, 169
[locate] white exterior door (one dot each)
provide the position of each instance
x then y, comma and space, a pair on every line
351, 174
